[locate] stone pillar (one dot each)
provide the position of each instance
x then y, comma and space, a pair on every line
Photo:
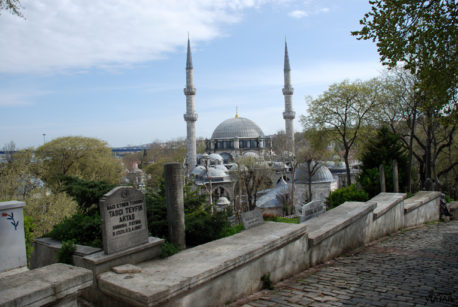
395, 177
12, 238
236, 143
173, 173
381, 170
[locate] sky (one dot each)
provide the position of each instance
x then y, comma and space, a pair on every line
115, 70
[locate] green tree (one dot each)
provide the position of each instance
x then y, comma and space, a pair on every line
343, 109
158, 155
421, 36
86, 193
252, 175
14, 6
18, 174
383, 149
48, 209
87, 158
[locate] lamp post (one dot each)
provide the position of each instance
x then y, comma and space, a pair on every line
44, 138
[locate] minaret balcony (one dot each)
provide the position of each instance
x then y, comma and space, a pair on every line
288, 91
289, 115
190, 117
189, 91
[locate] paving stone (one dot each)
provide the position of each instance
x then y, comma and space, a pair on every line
410, 268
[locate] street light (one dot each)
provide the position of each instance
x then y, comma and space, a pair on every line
44, 138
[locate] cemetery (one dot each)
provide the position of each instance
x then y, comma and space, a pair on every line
128, 272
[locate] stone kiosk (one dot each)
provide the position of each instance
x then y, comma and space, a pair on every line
12, 242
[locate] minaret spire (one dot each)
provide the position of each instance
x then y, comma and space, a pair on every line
189, 56
190, 116
288, 91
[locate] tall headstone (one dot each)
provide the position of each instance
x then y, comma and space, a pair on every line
124, 224
12, 239
173, 173
395, 177
381, 170
252, 218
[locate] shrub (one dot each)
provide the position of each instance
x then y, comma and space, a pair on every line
202, 227
350, 193
84, 229
65, 253
48, 209
86, 193
169, 249
267, 282
29, 236
231, 230
280, 219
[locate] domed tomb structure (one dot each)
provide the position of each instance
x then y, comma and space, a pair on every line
322, 183
236, 136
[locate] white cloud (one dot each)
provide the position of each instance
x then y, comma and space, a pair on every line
62, 34
19, 98
298, 14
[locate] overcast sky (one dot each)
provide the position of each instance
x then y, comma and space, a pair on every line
115, 70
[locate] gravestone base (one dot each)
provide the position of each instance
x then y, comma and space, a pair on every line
100, 262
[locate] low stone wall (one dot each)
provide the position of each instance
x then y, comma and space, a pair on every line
213, 273
388, 216
45, 252
338, 230
421, 208
224, 270
54, 285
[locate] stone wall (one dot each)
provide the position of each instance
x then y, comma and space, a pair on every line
222, 271
54, 285
420, 208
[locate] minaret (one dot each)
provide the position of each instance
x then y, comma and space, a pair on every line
190, 117
289, 114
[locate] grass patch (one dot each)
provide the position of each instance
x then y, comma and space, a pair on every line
280, 219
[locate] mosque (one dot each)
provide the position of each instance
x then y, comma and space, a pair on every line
238, 137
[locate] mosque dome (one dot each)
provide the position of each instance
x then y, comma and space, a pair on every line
237, 127
323, 174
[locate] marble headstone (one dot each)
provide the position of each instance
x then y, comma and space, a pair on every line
124, 224
252, 218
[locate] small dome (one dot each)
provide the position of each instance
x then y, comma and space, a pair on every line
223, 201
199, 170
216, 173
323, 174
216, 158
237, 127
251, 154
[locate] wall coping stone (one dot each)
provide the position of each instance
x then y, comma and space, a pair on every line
338, 218
163, 279
419, 199
12, 204
44, 285
386, 201
81, 250
100, 257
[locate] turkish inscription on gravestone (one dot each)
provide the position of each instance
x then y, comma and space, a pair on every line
252, 218
123, 214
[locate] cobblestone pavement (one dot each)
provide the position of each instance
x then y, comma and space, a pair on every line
417, 267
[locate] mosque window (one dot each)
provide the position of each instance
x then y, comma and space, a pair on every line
253, 144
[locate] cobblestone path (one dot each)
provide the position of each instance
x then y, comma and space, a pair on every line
417, 267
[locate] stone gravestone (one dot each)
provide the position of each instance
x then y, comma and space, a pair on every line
12, 240
124, 225
312, 209
252, 218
